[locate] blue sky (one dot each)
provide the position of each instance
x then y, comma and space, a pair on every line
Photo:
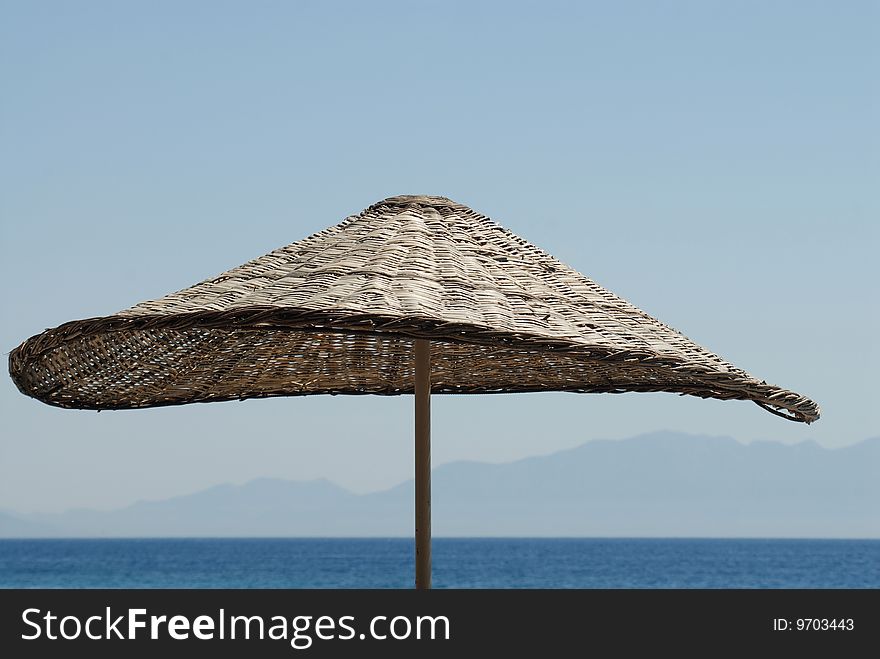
715, 163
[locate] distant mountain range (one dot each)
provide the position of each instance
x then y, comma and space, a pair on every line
660, 484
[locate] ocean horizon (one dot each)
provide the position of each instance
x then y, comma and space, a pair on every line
457, 563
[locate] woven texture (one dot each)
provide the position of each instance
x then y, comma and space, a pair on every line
338, 312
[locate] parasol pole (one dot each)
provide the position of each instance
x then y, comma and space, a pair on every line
423, 463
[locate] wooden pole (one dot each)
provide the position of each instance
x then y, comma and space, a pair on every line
423, 463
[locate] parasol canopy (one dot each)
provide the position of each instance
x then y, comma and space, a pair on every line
340, 312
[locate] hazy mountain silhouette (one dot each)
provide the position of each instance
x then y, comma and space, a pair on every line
661, 484
14, 526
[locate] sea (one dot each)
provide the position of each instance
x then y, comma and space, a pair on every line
457, 563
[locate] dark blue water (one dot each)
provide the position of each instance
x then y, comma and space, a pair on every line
458, 563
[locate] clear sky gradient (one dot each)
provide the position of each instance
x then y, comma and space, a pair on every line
716, 163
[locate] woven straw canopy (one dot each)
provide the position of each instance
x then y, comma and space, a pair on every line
338, 313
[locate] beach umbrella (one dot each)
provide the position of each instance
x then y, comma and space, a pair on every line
414, 295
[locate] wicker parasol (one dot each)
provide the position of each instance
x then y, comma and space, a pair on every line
415, 294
